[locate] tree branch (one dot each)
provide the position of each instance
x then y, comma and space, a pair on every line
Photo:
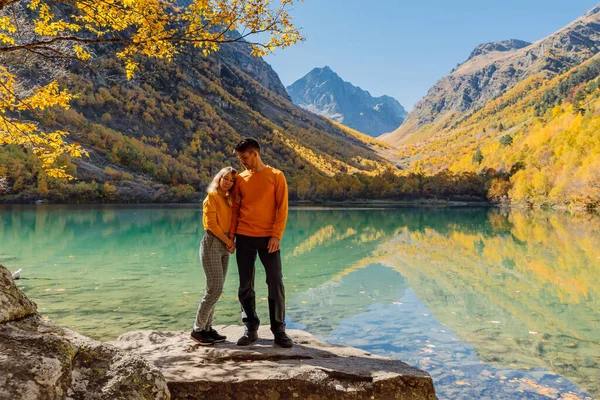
31, 45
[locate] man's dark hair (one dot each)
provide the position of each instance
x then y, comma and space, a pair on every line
247, 144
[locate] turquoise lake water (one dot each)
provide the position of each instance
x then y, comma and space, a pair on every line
493, 304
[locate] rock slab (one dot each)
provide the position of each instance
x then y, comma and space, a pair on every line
39, 360
311, 370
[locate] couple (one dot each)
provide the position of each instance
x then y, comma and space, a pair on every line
251, 208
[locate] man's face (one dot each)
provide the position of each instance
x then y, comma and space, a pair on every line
248, 158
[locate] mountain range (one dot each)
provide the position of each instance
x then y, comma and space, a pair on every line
515, 122
323, 92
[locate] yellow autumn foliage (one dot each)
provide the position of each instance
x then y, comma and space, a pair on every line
550, 158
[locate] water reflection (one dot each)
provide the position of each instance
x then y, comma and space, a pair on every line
523, 290
483, 299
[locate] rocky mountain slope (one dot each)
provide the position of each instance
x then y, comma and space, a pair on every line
323, 92
494, 68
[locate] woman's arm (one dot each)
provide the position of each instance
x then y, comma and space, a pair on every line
209, 206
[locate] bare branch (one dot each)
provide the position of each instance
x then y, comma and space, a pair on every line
61, 39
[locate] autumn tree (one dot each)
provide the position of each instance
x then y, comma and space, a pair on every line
52, 33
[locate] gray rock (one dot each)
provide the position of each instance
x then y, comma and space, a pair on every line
310, 370
13, 302
39, 360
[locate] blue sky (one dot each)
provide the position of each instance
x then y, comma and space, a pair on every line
402, 48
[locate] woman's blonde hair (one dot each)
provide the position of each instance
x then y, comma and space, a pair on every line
214, 185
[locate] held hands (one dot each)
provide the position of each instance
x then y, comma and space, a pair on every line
230, 245
273, 245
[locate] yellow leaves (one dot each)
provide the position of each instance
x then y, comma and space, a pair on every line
206, 20
540, 184
553, 151
7, 25
257, 51
360, 136
4, 38
33, 4
556, 111
46, 96
45, 26
144, 27
130, 67
81, 53
47, 146
320, 162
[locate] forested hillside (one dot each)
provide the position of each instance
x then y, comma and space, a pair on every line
541, 140
161, 136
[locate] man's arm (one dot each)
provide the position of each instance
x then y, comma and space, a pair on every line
236, 201
281, 213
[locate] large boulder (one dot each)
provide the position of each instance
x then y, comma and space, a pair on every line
311, 370
14, 304
39, 360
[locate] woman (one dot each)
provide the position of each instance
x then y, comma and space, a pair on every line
214, 252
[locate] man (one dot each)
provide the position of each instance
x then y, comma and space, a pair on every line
260, 209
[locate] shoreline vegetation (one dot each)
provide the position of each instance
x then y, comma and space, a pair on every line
368, 203
364, 204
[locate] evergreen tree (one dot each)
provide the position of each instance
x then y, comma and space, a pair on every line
477, 156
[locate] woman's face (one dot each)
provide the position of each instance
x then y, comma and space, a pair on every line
226, 182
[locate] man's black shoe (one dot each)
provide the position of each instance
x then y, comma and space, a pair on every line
216, 336
202, 337
283, 340
248, 338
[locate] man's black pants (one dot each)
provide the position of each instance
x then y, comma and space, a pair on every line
246, 249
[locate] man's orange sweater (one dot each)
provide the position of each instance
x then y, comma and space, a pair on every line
262, 208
